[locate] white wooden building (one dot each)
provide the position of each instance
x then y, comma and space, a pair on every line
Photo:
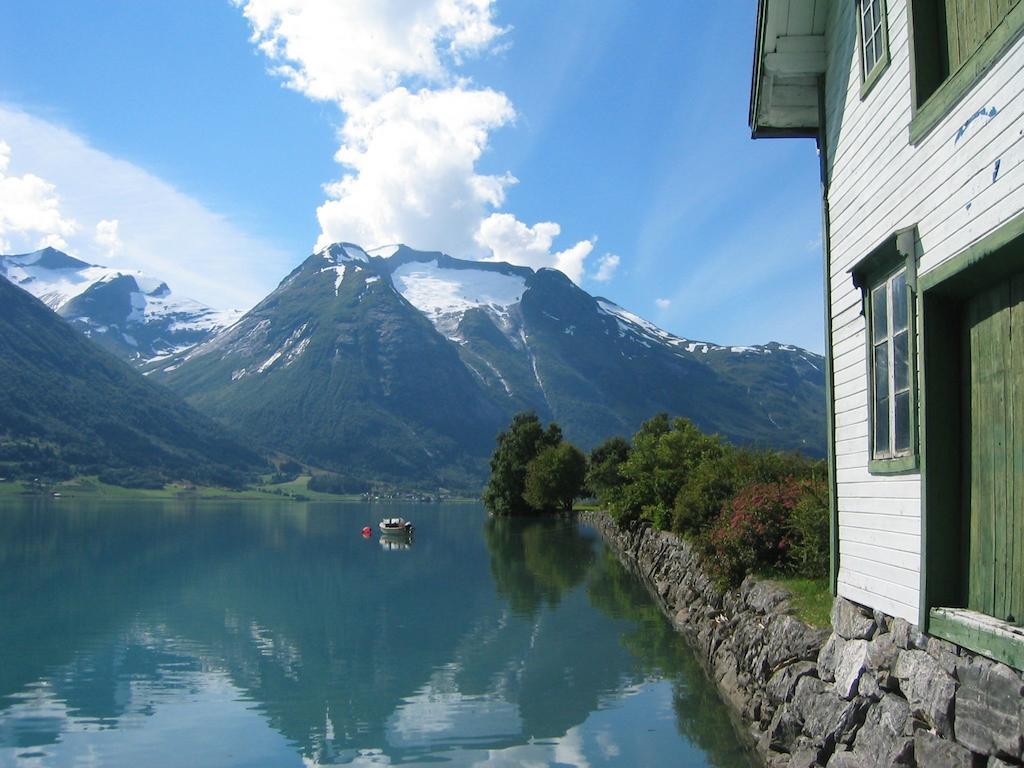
918, 110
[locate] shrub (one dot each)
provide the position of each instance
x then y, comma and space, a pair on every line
604, 480
752, 533
809, 532
708, 489
663, 455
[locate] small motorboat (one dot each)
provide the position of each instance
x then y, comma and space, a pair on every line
395, 526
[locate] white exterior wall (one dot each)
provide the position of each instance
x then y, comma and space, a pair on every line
879, 183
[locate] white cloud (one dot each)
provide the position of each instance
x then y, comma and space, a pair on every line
663, 303
511, 240
355, 52
166, 233
414, 129
606, 268
413, 179
106, 236
30, 215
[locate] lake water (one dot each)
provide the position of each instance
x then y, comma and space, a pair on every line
235, 634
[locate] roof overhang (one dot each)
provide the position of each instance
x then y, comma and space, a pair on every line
789, 61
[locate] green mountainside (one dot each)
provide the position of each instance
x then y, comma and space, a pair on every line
68, 407
402, 365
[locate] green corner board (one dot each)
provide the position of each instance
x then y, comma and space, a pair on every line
947, 95
981, 634
830, 402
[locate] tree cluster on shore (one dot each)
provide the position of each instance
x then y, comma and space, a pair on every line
750, 510
534, 470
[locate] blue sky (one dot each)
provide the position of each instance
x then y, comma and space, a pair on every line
623, 125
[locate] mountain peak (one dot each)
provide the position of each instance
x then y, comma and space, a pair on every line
343, 253
45, 258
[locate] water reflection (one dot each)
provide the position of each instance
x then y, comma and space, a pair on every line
394, 543
169, 634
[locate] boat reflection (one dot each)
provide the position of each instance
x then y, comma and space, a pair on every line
392, 543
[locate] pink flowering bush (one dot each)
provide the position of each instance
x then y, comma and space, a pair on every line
753, 532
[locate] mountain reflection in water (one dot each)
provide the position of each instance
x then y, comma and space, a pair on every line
164, 633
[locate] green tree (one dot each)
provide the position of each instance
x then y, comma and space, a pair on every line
555, 477
603, 477
516, 448
663, 455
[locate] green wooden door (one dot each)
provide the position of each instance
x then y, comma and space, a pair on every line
994, 455
969, 23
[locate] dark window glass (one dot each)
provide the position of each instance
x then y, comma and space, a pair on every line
902, 421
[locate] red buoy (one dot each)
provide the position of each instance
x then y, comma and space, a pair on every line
367, 531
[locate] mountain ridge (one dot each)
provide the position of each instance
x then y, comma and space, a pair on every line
392, 361
68, 406
136, 317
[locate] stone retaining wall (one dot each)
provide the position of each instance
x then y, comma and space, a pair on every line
872, 692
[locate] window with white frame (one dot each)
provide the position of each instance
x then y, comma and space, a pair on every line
891, 379
874, 43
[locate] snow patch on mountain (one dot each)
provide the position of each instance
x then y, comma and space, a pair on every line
339, 275
341, 253
385, 251
58, 279
54, 285
444, 294
640, 329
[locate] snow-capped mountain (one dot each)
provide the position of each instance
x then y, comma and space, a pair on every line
135, 316
402, 363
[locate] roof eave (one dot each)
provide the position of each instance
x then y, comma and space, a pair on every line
756, 75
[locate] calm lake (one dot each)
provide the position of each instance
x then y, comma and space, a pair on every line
273, 634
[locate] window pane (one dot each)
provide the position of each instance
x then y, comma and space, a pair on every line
899, 302
902, 416
901, 361
881, 392
882, 427
879, 310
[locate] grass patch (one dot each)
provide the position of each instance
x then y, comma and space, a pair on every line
811, 601
90, 487
300, 487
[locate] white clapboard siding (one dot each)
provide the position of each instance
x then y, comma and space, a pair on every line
895, 525
879, 183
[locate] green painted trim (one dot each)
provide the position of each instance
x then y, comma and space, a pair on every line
901, 465
922, 575
981, 634
897, 251
881, 261
868, 79
940, 297
830, 389
936, 106
973, 256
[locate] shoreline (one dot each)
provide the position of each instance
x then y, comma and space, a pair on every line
870, 690
84, 488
